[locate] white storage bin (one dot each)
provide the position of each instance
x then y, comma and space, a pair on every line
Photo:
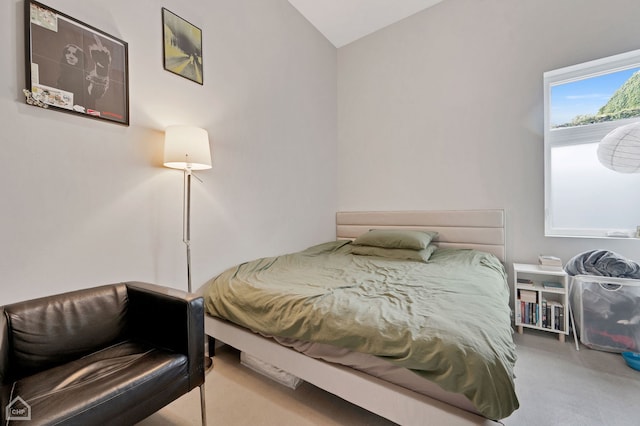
607, 312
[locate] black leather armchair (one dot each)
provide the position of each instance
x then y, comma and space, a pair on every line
110, 355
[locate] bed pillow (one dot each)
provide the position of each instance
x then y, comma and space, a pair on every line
395, 253
396, 239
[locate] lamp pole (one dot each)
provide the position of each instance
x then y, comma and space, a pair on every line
187, 148
186, 221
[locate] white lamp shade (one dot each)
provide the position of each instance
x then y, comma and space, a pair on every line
619, 150
187, 147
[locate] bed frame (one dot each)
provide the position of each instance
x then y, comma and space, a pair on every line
478, 229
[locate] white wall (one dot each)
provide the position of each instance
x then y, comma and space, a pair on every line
85, 202
440, 111
444, 110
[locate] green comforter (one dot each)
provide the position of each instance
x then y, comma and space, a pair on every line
448, 320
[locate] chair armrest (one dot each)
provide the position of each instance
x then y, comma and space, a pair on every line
4, 348
5, 368
170, 319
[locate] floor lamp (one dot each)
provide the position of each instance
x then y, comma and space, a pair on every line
187, 148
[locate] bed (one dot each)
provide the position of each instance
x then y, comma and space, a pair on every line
460, 372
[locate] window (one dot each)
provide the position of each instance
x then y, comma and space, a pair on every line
583, 103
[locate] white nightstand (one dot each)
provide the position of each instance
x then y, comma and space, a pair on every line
542, 302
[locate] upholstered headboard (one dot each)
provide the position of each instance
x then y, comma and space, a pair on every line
478, 229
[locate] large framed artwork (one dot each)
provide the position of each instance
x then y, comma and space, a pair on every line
74, 67
182, 48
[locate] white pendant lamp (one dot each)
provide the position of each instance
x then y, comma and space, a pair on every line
619, 150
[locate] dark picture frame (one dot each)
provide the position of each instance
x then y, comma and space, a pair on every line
182, 47
74, 67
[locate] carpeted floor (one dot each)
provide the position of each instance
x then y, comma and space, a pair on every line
556, 385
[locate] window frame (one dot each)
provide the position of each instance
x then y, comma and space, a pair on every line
591, 133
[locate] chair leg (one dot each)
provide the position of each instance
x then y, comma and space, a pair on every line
212, 346
203, 407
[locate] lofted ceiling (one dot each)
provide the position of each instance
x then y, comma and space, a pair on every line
344, 21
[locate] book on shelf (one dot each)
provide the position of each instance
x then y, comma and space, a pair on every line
549, 260
547, 314
531, 286
550, 263
527, 286
529, 313
551, 268
555, 316
525, 283
529, 296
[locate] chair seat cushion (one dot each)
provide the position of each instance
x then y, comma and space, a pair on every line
129, 375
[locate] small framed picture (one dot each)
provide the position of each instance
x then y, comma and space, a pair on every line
74, 67
182, 48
